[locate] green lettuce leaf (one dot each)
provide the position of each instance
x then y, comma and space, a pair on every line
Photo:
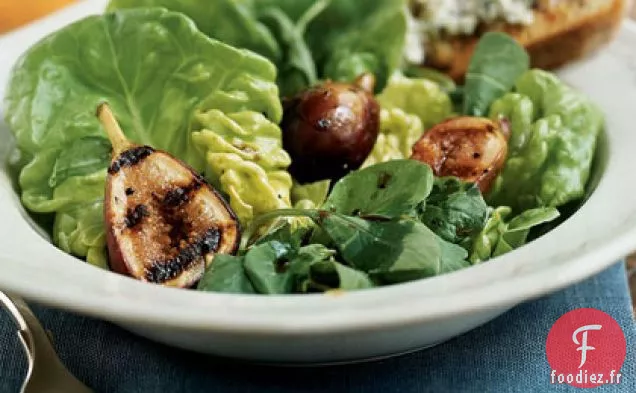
398, 133
552, 145
155, 69
230, 21
311, 195
420, 97
501, 234
244, 157
306, 39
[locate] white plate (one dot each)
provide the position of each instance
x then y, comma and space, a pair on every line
319, 328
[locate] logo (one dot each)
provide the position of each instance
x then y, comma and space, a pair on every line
586, 348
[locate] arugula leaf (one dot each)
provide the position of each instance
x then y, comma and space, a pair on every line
275, 268
383, 246
455, 210
390, 189
268, 267
497, 63
454, 257
284, 232
329, 274
226, 274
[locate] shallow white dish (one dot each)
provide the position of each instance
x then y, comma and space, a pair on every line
366, 324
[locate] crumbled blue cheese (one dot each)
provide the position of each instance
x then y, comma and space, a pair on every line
463, 16
459, 17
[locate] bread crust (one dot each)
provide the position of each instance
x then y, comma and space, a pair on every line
569, 32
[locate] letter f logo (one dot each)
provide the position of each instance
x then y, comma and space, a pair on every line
584, 347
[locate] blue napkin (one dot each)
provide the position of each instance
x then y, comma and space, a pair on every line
506, 355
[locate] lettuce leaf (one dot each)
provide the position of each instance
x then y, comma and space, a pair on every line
230, 21
552, 144
501, 234
398, 132
155, 69
245, 158
306, 39
416, 96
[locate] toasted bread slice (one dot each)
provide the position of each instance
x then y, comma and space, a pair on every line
570, 30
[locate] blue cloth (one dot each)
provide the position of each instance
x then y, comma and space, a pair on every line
506, 355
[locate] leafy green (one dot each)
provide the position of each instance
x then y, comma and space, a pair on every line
306, 39
445, 82
388, 189
227, 274
388, 250
83, 157
155, 69
311, 195
275, 267
398, 133
382, 246
296, 68
245, 158
329, 274
453, 257
349, 39
455, 210
497, 63
80, 231
230, 21
420, 97
553, 140
500, 236
269, 267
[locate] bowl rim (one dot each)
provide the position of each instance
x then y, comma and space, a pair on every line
125, 300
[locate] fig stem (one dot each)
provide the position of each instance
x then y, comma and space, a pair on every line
113, 130
366, 82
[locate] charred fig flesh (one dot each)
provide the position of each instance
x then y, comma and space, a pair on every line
164, 223
473, 149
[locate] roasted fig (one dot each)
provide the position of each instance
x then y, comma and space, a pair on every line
471, 148
330, 129
164, 223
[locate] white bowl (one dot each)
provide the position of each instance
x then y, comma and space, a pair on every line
365, 324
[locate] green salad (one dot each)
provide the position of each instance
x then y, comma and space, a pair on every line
342, 169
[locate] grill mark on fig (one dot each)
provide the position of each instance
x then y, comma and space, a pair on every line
130, 157
135, 215
180, 195
162, 271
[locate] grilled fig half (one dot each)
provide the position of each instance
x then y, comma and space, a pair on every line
164, 223
473, 149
